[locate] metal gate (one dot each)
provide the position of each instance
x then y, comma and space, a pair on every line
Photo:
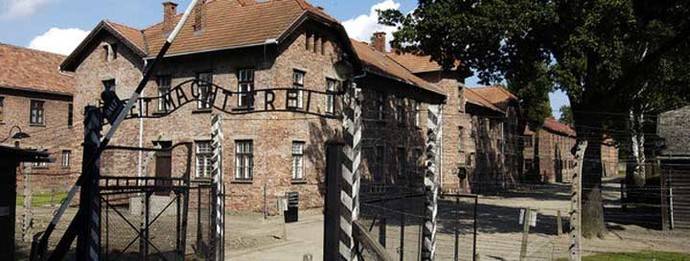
143, 220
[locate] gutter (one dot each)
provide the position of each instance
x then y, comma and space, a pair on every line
267, 42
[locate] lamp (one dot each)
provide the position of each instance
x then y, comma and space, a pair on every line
17, 136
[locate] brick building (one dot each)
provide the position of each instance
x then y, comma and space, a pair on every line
286, 44
35, 98
474, 146
548, 153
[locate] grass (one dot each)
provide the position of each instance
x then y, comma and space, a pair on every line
38, 200
638, 256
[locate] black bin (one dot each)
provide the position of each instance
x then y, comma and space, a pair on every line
292, 212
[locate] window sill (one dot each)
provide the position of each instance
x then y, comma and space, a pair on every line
36, 125
299, 182
201, 111
238, 181
160, 112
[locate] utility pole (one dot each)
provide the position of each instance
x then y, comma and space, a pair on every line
27, 218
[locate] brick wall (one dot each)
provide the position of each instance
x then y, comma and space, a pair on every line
54, 135
272, 133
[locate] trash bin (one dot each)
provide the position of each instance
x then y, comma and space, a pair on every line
292, 212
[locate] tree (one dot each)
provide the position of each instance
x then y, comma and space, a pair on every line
599, 52
566, 115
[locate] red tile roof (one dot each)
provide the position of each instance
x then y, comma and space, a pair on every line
33, 70
417, 63
495, 94
473, 97
554, 125
379, 63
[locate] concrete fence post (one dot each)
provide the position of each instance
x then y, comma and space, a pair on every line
349, 187
431, 183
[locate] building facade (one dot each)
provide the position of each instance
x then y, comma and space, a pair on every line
286, 67
36, 99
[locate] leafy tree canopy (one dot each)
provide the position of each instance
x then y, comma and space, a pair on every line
566, 115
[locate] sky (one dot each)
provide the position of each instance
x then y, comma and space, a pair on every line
59, 25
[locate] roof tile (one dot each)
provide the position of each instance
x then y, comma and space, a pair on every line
33, 70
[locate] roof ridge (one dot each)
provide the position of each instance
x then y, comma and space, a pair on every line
32, 50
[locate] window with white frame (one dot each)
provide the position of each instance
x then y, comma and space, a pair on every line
416, 113
400, 110
295, 97
204, 153
204, 81
331, 88
244, 159
37, 113
66, 158
297, 160
163, 82
380, 105
245, 86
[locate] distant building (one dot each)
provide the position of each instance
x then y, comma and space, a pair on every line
674, 158
37, 99
548, 155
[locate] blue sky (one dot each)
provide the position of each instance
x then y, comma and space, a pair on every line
59, 25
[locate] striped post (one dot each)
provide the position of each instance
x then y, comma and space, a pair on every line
431, 182
349, 190
219, 191
88, 243
576, 202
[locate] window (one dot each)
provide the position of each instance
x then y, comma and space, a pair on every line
470, 159
331, 87
324, 41
36, 113
528, 141
308, 41
109, 85
109, 52
66, 158
204, 153
380, 105
2, 108
416, 113
317, 44
295, 99
204, 80
163, 82
400, 110
244, 161
245, 85
379, 166
70, 115
402, 161
297, 160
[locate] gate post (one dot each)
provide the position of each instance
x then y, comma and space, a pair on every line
576, 202
88, 242
431, 182
349, 185
218, 189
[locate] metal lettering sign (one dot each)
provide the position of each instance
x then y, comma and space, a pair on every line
112, 105
207, 95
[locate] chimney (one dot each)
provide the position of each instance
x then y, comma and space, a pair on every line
379, 41
169, 13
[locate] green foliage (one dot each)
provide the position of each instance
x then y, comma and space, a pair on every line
566, 115
600, 52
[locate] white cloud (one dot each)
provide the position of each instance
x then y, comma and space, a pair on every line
58, 40
19, 8
364, 26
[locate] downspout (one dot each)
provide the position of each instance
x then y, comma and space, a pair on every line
141, 139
